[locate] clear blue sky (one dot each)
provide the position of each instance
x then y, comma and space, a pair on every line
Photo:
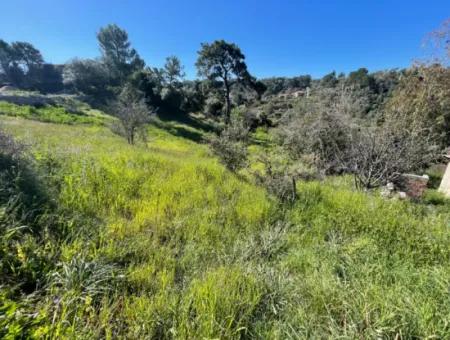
279, 37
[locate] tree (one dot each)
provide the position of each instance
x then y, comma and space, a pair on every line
378, 155
422, 101
329, 80
119, 57
48, 78
194, 95
173, 71
225, 62
318, 129
5, 59
26, 55
440, 44
17, 60
361, 79
150, 82
325, 131
132, 112
259, 87
89, 77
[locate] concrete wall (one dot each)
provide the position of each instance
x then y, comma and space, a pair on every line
445, 184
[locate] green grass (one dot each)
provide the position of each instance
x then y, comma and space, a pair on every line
51, 114
166, 243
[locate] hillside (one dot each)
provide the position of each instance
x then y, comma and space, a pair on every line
159, 240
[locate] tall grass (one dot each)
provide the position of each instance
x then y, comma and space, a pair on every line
49, 114
163, 242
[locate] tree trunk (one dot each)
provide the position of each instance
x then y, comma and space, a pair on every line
227, 101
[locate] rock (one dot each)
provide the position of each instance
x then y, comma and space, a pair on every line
402, 195
388, 190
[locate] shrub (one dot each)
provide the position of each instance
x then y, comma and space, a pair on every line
133, 114
319, 127
231, 145
278, 180
232, 154
213, 106
376, 156
172, 98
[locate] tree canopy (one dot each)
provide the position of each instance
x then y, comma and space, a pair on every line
225, 62
119, 57
17, 60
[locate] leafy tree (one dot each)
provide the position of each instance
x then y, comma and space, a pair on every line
301, 82
329, 80
25, 55
5, 59
173, 71
274, 85
119, 57
259, 88
421, 101
47, 78
17, 60
362, 79
150, 82
172, 94
194, 95
89, 77
224, 62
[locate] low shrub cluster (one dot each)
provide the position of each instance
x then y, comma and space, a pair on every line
231, 144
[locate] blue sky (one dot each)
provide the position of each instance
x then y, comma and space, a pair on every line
284, 38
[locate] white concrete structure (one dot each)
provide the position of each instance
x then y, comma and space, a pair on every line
445, 184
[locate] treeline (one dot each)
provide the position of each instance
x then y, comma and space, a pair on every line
22, 66
337, 112
220, 88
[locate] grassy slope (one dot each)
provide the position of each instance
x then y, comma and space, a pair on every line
52, 114
201, 253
